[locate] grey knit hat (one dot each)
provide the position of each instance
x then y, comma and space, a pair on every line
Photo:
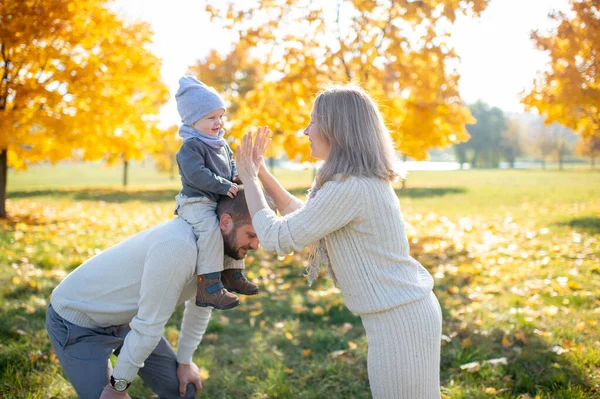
195, 99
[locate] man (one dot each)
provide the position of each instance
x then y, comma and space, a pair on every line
121, 299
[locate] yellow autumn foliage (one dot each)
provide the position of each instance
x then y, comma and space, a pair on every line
569, 91
288, 50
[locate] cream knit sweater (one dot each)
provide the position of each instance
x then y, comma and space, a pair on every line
362, 225
138, 282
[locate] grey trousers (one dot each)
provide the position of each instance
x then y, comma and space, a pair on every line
84, 356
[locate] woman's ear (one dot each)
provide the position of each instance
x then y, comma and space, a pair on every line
226, 223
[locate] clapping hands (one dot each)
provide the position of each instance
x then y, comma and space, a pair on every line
250, 156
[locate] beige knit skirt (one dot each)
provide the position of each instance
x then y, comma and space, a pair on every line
404, 350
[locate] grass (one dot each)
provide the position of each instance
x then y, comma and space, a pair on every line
515, 256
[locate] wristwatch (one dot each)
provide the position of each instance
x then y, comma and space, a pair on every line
119, 385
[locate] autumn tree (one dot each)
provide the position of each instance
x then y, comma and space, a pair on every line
512, 141
562, 142
286, 50
550, 141
164, 151
73, 75
590, 147
483, 147
540, 144
568, 92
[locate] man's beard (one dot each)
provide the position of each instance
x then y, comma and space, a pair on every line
230, 245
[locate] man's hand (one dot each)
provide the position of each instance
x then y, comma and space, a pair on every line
233, 190
187, 373
237, 180
109, 393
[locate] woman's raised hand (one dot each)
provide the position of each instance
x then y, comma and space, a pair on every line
249, 156
262, 141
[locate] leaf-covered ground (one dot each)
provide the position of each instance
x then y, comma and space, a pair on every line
515, 256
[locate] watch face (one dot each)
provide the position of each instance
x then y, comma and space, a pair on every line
121, 385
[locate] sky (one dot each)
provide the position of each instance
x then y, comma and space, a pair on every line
498, 58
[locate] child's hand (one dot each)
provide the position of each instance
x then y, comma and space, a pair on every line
233, 190
237, 180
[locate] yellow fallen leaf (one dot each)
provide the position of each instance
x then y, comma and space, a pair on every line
352, 345
204, 374
453, 290
16, 280
318, 310
211, 336
466, 343
173, 337
506, 342
306, 352
521, 337
53, 358
289, 335
288, 371
491, 391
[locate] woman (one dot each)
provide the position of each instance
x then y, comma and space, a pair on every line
352, 218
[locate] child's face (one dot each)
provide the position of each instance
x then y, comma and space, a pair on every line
210, 124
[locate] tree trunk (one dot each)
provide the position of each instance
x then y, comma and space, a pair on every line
474, 160
543, 163
560, 161
3, 181
593, 162
125, 172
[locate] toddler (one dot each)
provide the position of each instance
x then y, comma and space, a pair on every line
207, 171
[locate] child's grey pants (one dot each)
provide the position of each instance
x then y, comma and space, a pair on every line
84, 356
201, 214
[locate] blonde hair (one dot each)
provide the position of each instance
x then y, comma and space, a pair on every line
360, 144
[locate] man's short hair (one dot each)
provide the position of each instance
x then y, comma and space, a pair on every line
237, 207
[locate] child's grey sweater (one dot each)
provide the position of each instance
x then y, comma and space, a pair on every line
205, 171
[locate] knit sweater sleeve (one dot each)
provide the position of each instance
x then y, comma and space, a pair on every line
192, 166
193, 326
336, 204
163, 280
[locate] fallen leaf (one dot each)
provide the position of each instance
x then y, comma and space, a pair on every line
472, 367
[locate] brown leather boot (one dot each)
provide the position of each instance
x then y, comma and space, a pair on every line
210, 292
234, 280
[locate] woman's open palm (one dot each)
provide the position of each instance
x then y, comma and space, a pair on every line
250, 155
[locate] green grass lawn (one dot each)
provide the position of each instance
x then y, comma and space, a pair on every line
515, 255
